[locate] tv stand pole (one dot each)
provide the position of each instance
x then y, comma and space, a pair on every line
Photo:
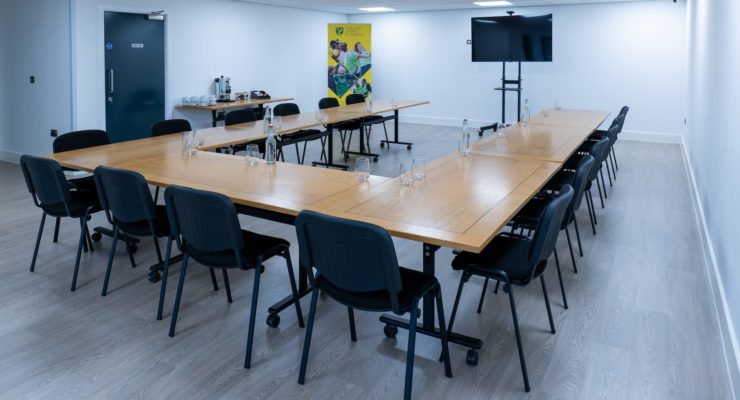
507, 85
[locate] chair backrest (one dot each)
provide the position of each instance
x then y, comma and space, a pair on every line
579, 184
80, 140
170, 126
328, 102
354, 256
205, 221
613, 131
285, 109
355, 98
124, 194
624, 110
45, 180
240, 117
598, 152
548, 227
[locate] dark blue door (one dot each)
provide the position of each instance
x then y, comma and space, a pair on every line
134, 74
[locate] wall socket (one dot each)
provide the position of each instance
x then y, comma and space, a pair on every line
54, 133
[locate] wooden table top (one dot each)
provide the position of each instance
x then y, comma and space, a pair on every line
463, 203
381, 106
236, 104
538, 142
569, 118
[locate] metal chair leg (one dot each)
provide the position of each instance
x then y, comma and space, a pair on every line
560, 279
294, 289
443, 333
547, 304
352, 331
601, 196
38, 241
463, 278
56, 229
252, 316
570, 247
410, 352
608, 171
178, 296
112, 254
578, 236
483, 295
307, 340
79, 252
614, 153
227, 286
213, 279
165, 273
156, 247
518, 336
603, 183
611, 160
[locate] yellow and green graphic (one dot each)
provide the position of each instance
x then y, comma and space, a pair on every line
350, 60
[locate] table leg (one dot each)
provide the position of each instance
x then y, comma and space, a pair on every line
428, 326
395, 134
214, 117
330, 153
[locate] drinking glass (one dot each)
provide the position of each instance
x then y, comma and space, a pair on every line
362, 169
189, 143
320, 115
253, 154
277, 123
394, 103
419, 166
557, 105
501, 131
406, 174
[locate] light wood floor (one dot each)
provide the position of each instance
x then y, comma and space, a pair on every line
641, 322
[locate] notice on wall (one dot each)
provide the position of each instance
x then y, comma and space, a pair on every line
350, 60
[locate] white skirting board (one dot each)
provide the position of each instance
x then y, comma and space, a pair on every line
10, 156
726, 327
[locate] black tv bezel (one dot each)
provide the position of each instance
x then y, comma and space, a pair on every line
472, 38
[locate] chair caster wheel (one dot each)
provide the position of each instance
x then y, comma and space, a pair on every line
390, 331
273, 320
346, 158
408, 147
131, 248
154, 277
96, 237
375, 159
471, 357
382, 145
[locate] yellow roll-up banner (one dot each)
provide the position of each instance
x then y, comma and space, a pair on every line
350, 60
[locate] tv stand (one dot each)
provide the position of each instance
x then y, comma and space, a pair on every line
507, 85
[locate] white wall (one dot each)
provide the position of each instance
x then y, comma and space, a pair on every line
35, 41
604, 56
280, 50
3, 35
713, 139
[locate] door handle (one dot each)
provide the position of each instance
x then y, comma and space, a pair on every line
111, 81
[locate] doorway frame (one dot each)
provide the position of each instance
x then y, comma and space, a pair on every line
100, 56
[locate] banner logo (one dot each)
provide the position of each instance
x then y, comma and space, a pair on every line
339, 31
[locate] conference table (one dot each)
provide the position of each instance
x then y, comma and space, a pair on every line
218, 110
462, 203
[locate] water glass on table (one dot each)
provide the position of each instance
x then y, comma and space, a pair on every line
362, 169
406, 174
419, 167
253, 154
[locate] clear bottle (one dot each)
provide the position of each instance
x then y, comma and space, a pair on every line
369, 102
270, 146
526, 116
464, 145
267, 119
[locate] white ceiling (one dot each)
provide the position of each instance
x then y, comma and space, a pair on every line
351, 6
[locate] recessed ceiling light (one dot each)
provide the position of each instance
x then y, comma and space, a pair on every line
376, 9
498, 3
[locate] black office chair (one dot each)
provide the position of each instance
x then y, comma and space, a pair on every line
516, 260
366, 124
242, 117
302, 136
170, 126
600, 134
529, 216
599, 153
342, 127
129, 207
206, 228
53, 195
356, 265
75, 141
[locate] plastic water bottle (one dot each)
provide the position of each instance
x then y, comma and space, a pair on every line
270, 146
369, 102
526, 116
464, 146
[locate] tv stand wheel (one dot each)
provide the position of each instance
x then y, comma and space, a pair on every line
273, 320
471, 358
382, 145
408, 147
480, 133
96, 237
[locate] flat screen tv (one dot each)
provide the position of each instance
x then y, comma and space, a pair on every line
512, 38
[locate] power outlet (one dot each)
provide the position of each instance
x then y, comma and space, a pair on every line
54, 133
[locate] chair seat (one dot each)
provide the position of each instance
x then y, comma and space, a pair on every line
303, 134
141, 228
255, 245
561, 178
505, 253
79, 203
597, 135
353, 125
414, 284
373, 119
